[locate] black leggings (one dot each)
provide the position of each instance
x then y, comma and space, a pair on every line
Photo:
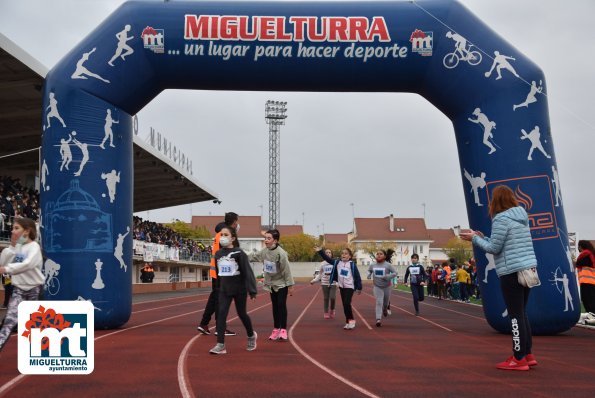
346, 296
223, 310
516, 297
279, 304
588, 296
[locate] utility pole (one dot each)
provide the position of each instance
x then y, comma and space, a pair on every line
275, 115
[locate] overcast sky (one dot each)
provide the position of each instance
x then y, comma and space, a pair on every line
391, 152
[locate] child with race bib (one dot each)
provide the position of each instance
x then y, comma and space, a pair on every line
277, 281
418, 280
236, 282
22, 260
329, 289
383, 272
347, 276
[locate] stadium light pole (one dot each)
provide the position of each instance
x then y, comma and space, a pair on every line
275, 115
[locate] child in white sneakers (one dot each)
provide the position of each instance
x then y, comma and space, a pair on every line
348, 278
237, 281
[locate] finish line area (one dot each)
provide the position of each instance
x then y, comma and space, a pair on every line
448, 350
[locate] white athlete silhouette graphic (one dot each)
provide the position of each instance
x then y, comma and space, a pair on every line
488, 126
501, 62
119, 251
565, 291
111, 179
476, 183
462, 52
53, 111
122, 45
460, 44
556, 184
81, 72
535, 137
65, 152
107, 128
44, 173
490, 266
531, 98
84, 150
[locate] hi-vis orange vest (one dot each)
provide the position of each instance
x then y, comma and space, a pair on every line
587, 274
215, 249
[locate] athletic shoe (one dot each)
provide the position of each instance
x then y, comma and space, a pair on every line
416, 313
388, 311
332, 314
283, 335
513, 364
378, 323
228, 333
252, 342
327, 315
204, 330
346, 327
351, 324
218, 349
385, 312
275, 335
531, 361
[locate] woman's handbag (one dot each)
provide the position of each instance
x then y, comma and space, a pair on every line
529, 277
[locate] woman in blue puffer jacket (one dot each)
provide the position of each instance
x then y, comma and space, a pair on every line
511, 244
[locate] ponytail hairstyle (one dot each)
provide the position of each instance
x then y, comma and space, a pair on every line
389, 254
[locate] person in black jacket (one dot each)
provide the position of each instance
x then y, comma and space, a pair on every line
236, 282
418, 277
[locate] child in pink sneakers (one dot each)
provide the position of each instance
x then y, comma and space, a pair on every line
277, 281
329, 289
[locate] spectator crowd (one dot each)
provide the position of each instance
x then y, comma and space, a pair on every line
16, 200
152, 232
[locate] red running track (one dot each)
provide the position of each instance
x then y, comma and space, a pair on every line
448, 351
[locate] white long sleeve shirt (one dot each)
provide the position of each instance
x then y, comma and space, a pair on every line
24, 263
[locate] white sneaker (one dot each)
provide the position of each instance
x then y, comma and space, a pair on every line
352, 324
252, 342
346, 327
218, 349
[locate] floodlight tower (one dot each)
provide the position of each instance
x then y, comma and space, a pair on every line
275, 116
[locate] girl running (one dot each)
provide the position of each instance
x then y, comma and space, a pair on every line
329, 289
236, 282
347, 276
383, 272
22, 260
277, 281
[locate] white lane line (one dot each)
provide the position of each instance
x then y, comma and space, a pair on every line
419, 317
362, 318
182, 369
315, 362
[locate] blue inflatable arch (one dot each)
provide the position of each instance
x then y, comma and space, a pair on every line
494, 95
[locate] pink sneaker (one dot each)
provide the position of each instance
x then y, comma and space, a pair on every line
332, 314
275, 334
513, 364
283, 335
327, 315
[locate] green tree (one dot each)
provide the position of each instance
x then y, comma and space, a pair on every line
299, 247
460, 250
186, 231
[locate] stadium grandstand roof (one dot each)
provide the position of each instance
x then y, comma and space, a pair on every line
158, 181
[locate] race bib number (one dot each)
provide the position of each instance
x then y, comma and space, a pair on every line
270, 267
414, 270
19, 257
327, 269
344, 272
227, 267
379, 271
